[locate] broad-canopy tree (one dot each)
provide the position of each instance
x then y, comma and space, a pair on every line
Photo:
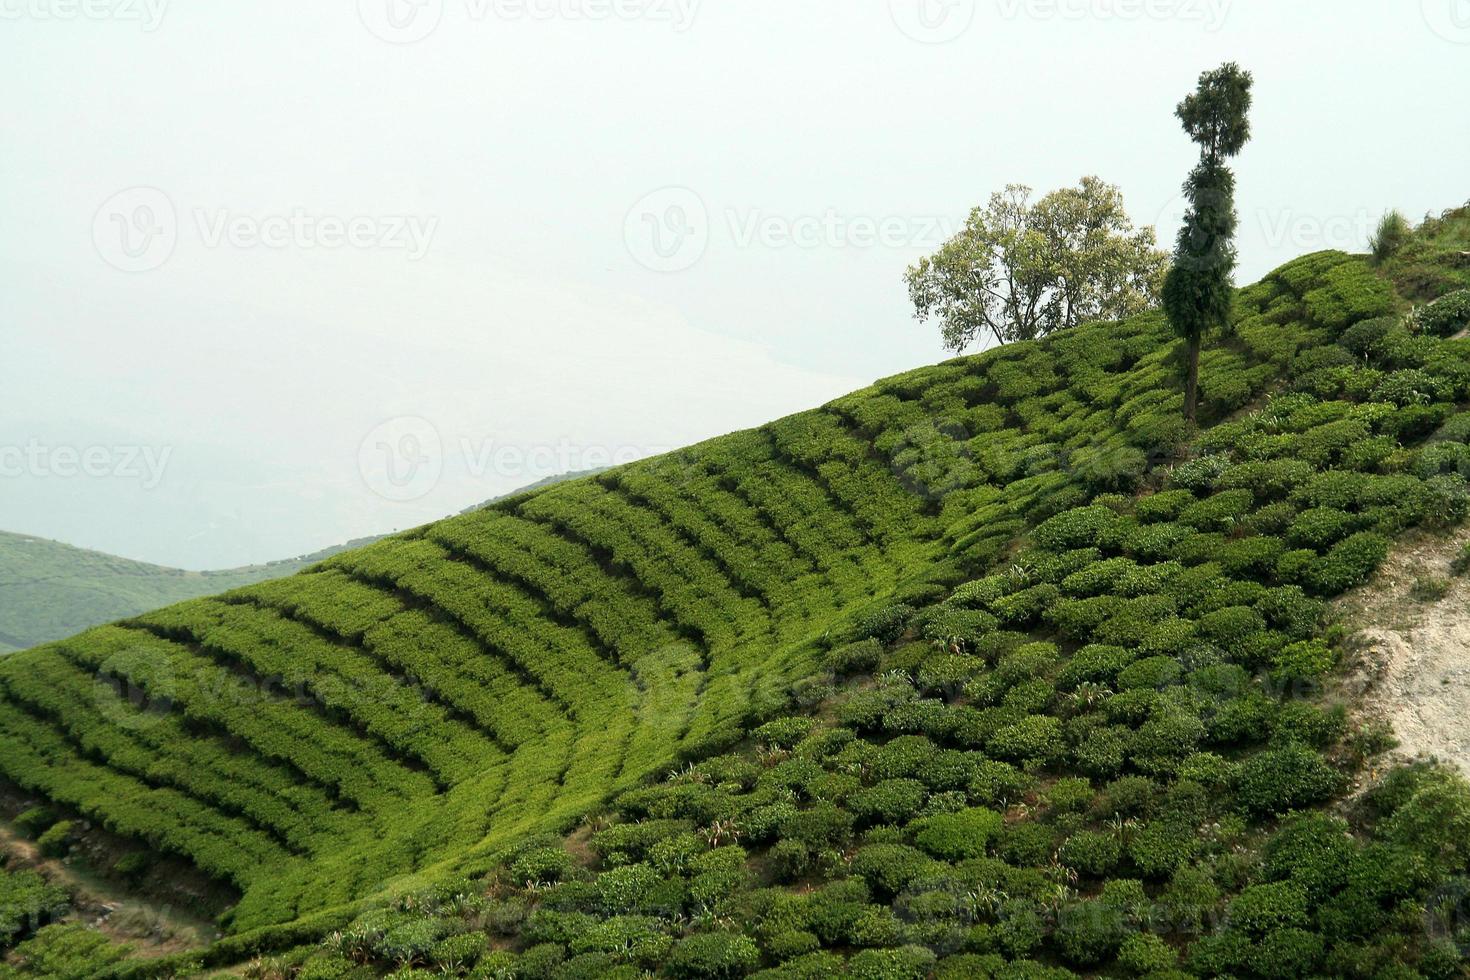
1200, 284
1019, 270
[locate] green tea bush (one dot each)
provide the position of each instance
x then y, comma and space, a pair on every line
1285, 779
957, 836
888, 802
713, 955
1092, 852
1447, 315
860, 657
57, 840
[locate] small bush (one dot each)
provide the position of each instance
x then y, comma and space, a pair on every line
1285, 779
957, 836
1447, 315
1393, 230
56, 841
885, 624
713, 955
860, 657
904, 963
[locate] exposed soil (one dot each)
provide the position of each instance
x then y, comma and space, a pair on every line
1409, 649
153, 926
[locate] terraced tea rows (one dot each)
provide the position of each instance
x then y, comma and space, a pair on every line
414, 708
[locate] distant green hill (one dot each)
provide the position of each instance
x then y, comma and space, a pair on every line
50, 590
1059, 684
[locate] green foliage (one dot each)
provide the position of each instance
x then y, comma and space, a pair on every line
1393, 230
27, 902
736, 665
713, 955
1020, 270
1286, 779
57, 840
957, 836
1447, 315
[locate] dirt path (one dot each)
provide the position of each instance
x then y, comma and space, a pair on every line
151, 930
1410, 653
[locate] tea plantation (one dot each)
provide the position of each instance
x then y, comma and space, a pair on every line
993, 669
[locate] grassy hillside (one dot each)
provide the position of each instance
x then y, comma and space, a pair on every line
50, 590
1058, 660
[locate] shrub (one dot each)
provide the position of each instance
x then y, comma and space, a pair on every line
1163, 506
1312, 850
956, 836
889, 801
1285, 779
948, 675
890, 868
1392, 232
1092, 852
1447, 315
1094, 663
784, 733
885, 624
1349, 563
33, 822
998, 783
56, 841
1151, 672
1302, 661
791, 943
1261, 909
1219, 512
1071, 794
904, 963
1083, 527
1231, 626
1320, 527
1447, 501
713, 954
1161, 847
1025, 844
1143, 953
860, 657
1036, 738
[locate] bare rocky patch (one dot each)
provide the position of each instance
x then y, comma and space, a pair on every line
1409, 649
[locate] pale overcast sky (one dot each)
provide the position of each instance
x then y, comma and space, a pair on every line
282, 273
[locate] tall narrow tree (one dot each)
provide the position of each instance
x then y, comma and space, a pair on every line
1198, 288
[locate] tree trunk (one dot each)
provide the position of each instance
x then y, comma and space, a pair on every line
1191, 377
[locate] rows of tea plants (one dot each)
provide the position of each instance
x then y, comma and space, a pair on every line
1118, 753
436, 699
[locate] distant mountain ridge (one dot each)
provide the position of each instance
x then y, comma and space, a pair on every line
50, 590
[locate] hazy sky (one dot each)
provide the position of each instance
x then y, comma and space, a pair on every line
281, 273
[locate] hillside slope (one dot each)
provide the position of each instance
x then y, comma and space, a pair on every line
50, 590
409, 712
